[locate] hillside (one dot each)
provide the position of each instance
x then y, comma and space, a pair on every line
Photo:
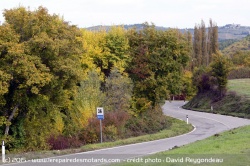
235, 103
233, 31
241, 45
229, 31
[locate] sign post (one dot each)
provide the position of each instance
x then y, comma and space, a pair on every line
3, 152
100, 116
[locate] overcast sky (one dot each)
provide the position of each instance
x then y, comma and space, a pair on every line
167, 13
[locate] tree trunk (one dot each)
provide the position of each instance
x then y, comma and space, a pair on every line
9, 120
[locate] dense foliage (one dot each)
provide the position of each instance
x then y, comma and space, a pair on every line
40, 67
53, 75
239, 55
240, 46
158, 61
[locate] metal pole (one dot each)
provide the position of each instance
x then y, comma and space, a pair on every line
187, 119
101, 129
3, 152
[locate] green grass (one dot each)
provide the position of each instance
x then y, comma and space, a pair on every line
232, 146
240, 86
178, 127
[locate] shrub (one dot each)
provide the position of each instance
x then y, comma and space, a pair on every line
117, 119
110, 133
113, 124
63, 142
91, 134
150, 121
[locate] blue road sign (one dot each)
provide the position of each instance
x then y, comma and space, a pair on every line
100, 113
101, 117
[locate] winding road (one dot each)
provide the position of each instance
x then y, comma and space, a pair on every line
205, 125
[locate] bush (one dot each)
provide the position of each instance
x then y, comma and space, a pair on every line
204, 81
63, 142
113, 127
110, 133
117, 119
149, 122
91, 134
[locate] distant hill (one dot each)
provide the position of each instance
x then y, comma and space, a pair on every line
137, 26
228, 32
233, 31
240, 45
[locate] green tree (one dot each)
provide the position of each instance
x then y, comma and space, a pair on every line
118, 92
220, 70
158, 58
116, 48
239, 58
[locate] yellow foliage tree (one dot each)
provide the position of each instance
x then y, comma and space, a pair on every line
105, 50
89, 97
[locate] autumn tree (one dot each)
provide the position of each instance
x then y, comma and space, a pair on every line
158, 58
205, 43
16, 66
91, 57
197, 46
40, 68
213, 39
187, 90
116, 49
89, 96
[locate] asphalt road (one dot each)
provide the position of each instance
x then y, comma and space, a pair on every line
205, 125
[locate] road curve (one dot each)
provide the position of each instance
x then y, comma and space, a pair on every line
205, 125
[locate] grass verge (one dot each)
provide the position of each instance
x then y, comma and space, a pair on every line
178, 127
230, 148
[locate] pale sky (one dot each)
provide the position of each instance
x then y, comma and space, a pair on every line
167, 13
